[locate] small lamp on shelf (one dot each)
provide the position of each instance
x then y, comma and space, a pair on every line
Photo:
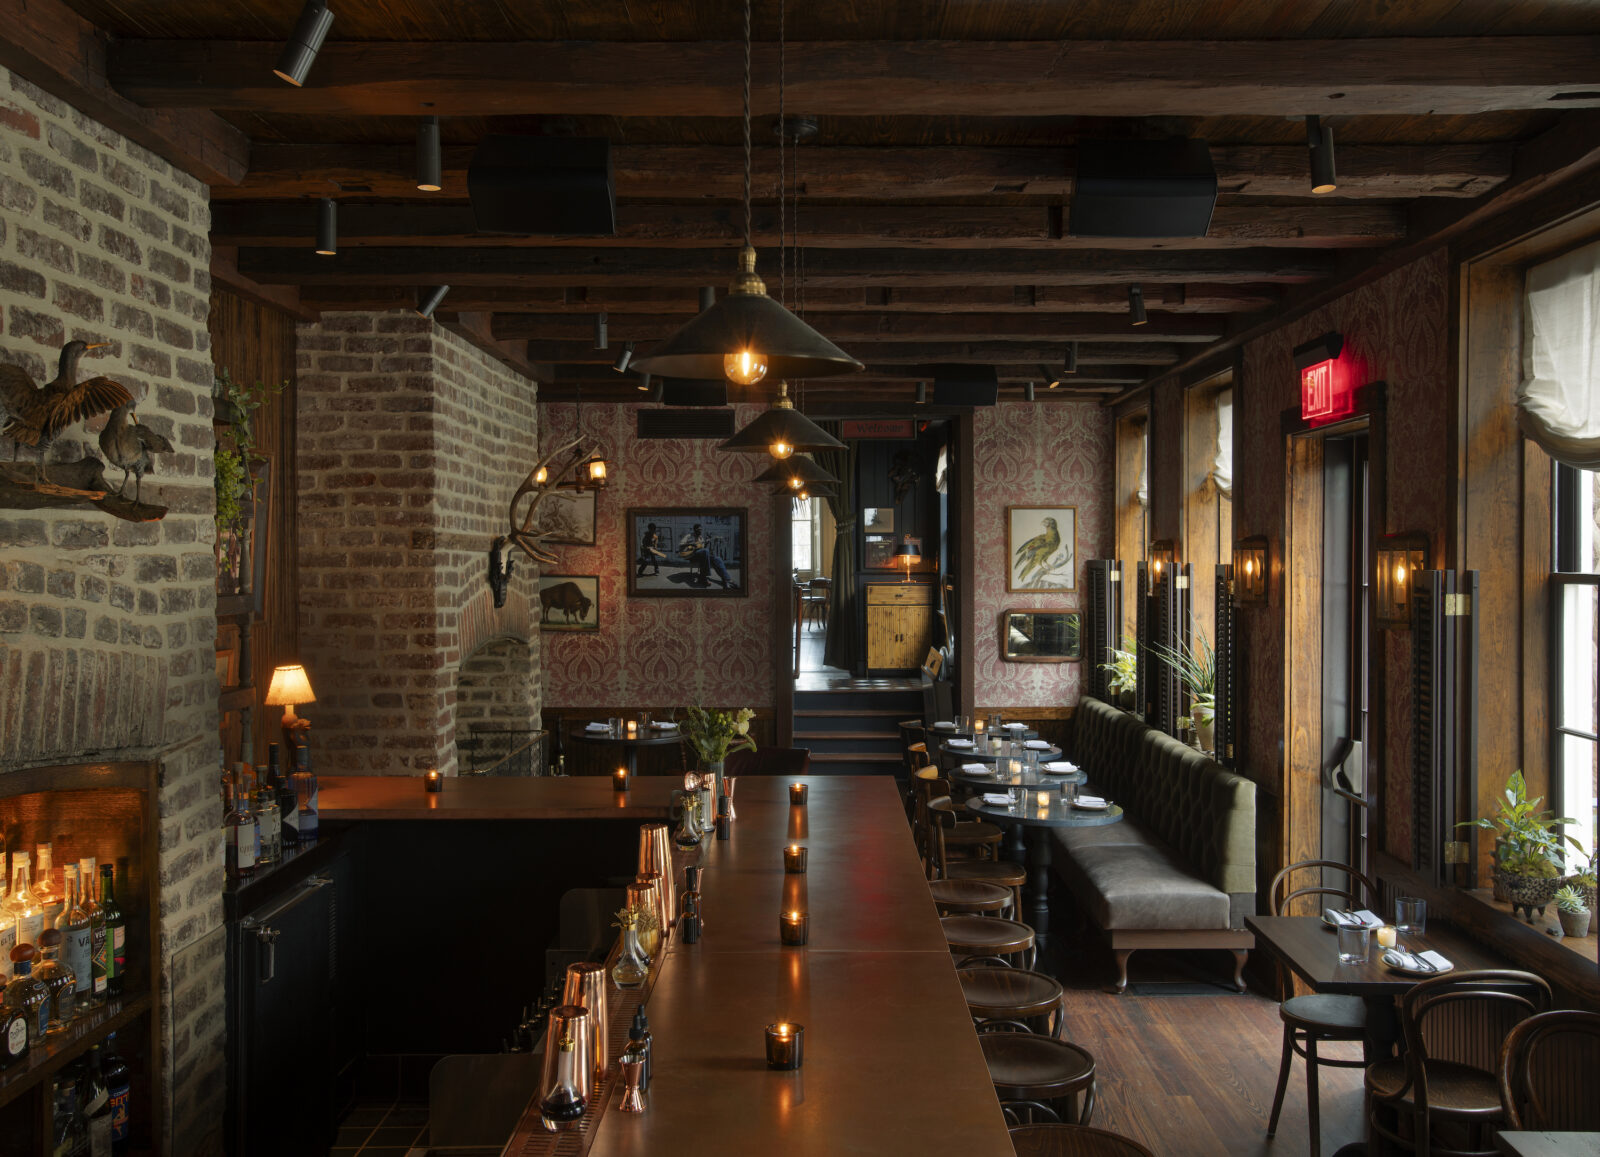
1250, 570
291, 686
907, 555
1399, 558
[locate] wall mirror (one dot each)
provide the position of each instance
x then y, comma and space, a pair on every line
1032, 636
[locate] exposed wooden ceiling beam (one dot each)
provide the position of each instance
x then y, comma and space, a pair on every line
825, 268
712, 172
971, 78
684, 301
1029, 354
853, 327
49, 44
1089, 374
1328, 225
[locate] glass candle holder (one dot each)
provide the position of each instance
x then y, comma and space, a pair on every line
785, 1046
433, 781
797, 794
794, 928
619, 779
977, 727
1385, 936
794, 860
1043, 799
633, 729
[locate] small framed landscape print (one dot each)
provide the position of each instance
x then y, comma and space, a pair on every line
569, 602
686, 552
1041, 548
877, 519
569, 516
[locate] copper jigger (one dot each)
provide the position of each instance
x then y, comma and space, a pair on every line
657, 897
655, 855
586, 985
641, 896
727, 791
632, 1099
567, 1021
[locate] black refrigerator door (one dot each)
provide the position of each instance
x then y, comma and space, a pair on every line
286, 973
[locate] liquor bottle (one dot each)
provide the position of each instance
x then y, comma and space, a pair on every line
8, 939
119, 1082
288, 806
116, 931
96, 1101
23, 905
97, 932
239, 836
77, 945
69, 1132
28, 993
45, 886
245, 794
305, 790
58, 980
264, 802
13, 1034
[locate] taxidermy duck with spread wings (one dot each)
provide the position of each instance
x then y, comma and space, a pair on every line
38, 414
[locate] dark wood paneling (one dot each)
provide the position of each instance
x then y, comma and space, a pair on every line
256, 343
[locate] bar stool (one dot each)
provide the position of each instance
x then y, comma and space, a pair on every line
1072, 1141
1035, 1074
988, 940
969, 897
941, 817
1002, 999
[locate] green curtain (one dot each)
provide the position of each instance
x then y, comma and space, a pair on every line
842, 648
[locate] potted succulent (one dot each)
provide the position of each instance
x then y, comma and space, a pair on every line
1584, 882
1124, 672
1572, 911
1529, 848
1197, 668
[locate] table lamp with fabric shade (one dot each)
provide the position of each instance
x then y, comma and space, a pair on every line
290, 686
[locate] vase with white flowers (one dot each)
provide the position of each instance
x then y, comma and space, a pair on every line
714, 735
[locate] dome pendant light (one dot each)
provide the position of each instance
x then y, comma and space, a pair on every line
796, 474
781, 431
747, 336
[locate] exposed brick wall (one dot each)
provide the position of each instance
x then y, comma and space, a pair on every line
106, 626
411, 442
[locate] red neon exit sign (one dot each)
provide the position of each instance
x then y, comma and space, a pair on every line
1327, 385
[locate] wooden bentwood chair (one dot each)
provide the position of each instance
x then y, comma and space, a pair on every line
941, 819
1072, 1141
1519, 1086
1438, 1099
1317, 1017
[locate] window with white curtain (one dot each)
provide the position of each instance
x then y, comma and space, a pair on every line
803, 528
1558, 403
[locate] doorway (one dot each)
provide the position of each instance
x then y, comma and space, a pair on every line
1346, 682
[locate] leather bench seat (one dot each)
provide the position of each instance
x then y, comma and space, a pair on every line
1145, 886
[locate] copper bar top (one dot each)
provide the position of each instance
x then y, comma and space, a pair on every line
892, 1064
403, 797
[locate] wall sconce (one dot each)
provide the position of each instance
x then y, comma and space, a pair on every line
592, 473
1163, 559
1400, 557
1250, 562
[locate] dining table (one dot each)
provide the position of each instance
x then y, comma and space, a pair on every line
1309, 948
988, 775
1041, 810
988, 754
647, 736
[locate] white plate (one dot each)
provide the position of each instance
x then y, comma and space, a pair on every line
1091, 807
942, 726
1015, 726
1036, 745
977, 771
1403, 971
1058, 767
958, 743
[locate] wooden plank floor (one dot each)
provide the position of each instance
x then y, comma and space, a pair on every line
1193, 1075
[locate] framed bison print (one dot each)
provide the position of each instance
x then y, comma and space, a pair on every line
1042, 548
569, 602
686, 552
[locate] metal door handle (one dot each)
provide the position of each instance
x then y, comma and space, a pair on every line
267, 949
267, 935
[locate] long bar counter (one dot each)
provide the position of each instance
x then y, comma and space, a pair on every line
403, 797
892, 1064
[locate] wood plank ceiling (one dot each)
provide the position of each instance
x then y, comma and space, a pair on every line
933, 199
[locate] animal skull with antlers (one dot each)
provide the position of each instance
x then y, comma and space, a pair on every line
539, 482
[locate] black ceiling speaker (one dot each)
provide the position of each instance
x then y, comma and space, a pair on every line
694, 392
559, 186
964, 385
1143, 189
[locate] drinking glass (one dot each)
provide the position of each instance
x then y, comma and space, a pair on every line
1014, 797
1411, 915
1353, 943
615, 724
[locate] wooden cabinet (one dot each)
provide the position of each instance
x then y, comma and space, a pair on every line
899, 624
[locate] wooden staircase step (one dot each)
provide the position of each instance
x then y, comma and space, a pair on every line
897, 714
855, 757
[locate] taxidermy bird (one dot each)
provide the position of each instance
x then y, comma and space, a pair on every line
128, 444
1035, 554
40, 413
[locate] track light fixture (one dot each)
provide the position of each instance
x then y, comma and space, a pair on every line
433, 300
708, 297
601, 340
1136, 314
1319, 140
300, 53
922, 393
1070, 366
644, 383
430, 156
327, 227
626, 356
1027, 392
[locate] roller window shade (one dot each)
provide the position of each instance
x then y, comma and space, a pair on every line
1558, 402
1222, 463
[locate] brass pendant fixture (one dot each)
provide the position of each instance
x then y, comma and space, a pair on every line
793, 475
782, 431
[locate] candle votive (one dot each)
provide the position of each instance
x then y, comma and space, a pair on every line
977, 726
794, 928
619, 779
1044, 799
1385, 936
433, 781
797, 794
794, 860
633, 729
785, 1046
1016, 766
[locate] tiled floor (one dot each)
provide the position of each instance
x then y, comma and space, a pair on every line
382, 1131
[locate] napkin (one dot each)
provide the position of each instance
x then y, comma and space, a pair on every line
665, 726
994, 799
1353, 919
945, 725
598, 727
1037, 745
977, 768
1015, 726
1400, 958
1061, 765
958, 743
1093, 801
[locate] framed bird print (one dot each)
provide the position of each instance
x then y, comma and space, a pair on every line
1042, 548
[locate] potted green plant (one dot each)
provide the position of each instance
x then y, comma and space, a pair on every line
1124, 673
1584, 882
1196, 667
1572, 911
1529, 848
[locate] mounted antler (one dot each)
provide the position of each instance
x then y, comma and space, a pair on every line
538, 483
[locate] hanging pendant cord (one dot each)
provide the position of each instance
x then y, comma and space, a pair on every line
783, 170
747, 231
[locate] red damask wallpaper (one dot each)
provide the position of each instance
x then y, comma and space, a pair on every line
1398, 329
1034, 454
662, 652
